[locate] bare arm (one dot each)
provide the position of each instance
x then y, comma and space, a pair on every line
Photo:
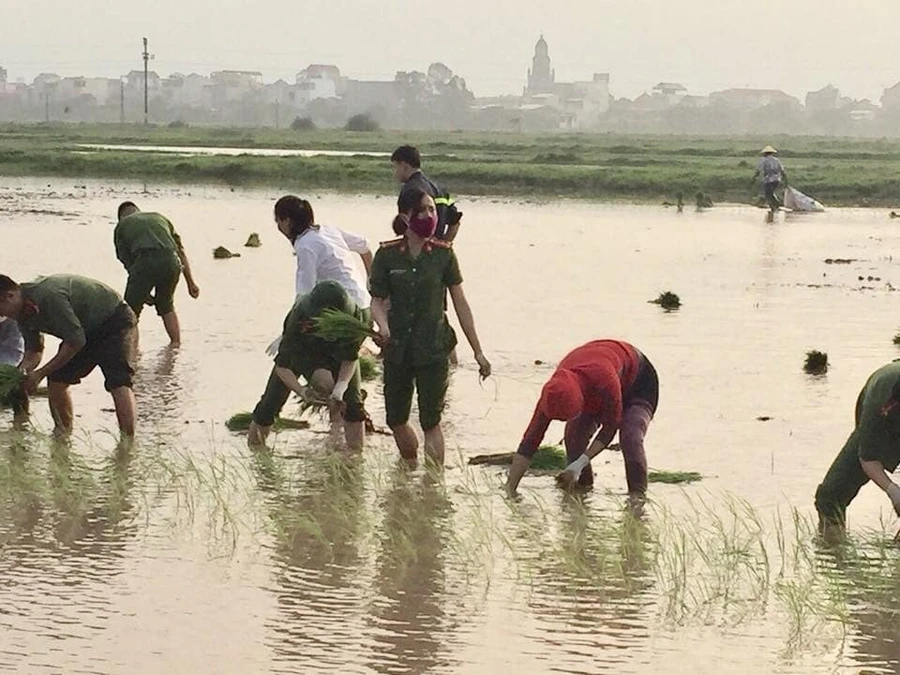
290, 380
467, 323
367, 261
31, 360
876, 473
380, 317
345, 373
66, 351
464, 314
193, 289
517, 469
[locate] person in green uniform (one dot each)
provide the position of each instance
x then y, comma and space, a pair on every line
408, 282
151, 250
330, 367
96, 328
871, 451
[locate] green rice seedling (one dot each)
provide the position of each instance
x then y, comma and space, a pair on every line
333, 324
253, 241
816, 362
673, 477
10, 379
368, 368
222, 253
241, 422
668, 300
897, 339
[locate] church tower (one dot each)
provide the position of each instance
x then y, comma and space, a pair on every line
540, 77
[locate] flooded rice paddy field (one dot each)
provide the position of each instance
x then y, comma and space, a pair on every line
192, 554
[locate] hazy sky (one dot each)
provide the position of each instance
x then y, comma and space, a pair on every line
796, 45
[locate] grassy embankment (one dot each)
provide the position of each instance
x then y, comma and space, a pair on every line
624, 168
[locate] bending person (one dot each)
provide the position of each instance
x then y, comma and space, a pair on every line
331, 368
96, 328
871, 451
152, 253
602, 387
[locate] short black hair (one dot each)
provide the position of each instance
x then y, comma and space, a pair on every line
125, 205
7, 284
409, 154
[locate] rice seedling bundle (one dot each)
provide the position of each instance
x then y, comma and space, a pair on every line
10, 379
241, 422
334, 324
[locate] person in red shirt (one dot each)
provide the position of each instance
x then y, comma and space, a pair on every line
602, 387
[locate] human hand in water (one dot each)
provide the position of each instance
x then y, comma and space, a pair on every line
567, 480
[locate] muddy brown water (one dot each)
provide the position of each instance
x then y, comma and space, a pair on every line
192, 554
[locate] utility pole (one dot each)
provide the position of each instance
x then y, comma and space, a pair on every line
121, 100
146, 60
47, 106
277, 111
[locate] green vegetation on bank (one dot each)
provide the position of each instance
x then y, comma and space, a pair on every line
630, 168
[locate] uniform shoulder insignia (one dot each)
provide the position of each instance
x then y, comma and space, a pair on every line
391, 243
440, 243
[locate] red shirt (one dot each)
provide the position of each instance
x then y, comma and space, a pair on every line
606, 370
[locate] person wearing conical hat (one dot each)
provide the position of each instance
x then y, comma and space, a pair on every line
772, 173
602, 387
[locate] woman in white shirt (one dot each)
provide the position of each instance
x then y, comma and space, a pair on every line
324, 253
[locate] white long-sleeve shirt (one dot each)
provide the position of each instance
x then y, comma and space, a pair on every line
326, 253
12, 347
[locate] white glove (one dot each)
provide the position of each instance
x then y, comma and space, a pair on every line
576, 467
272, 349
340, 388
893, 492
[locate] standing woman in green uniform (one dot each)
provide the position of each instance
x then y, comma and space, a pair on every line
151, 250
408, 282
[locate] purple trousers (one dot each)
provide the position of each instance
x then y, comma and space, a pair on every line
635, 421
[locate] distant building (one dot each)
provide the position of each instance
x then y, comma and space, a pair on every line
751, 99
824, 100
320, 81
862, 111
890, 100
541, 77
98, 90
135, 80
669, 93
187, 90
577, 105
2, 75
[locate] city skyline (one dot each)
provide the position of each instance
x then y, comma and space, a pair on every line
795, 48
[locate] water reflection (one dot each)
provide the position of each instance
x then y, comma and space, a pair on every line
64, 528
158, 387
592, 572
410, 618
317, 523
863, 578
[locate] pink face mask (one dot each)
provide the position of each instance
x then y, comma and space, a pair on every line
423, 224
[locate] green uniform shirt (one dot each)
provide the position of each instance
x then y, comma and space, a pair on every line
416, 287
66, 306
299, 343
877, 435
144, 232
